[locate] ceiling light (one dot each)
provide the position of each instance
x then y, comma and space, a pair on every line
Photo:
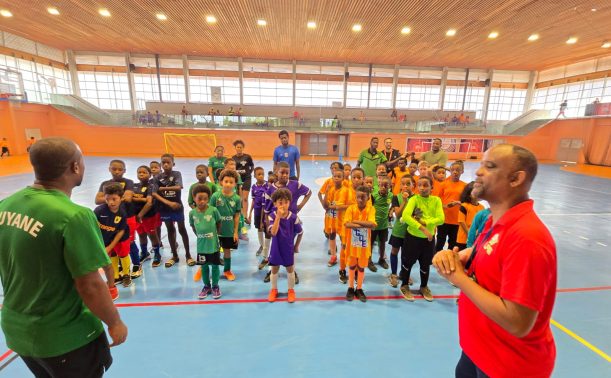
593, 9
571, 40
104, 12
161, 16
211, 19
311, 25
357, 27
53, 11
5, 13
261, 22
451, 33
406, 30
606, 45
533, 37
493, 35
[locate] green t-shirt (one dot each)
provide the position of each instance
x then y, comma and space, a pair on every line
382, 205
46, 241
213, 188
204, 224
368, 162
216, 163
227, 207
399, 228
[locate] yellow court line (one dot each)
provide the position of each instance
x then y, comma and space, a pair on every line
581, 340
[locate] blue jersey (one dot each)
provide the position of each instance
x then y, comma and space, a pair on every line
289, 154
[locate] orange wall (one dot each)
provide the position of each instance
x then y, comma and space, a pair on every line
15, 119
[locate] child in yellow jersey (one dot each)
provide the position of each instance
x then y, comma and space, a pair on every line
397, 173
357, 180
347, 171
439, 176
334, 204
360, 219
325, 187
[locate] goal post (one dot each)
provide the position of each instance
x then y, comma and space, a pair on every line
189, 145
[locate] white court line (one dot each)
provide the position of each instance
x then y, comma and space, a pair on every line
566, 232
578, 187
601, 244
583, 237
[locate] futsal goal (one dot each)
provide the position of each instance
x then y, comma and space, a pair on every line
189, 145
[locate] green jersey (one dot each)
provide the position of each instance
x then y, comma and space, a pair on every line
227, 207
213, 188
216, 163
382, 205
431, 213
46, 241
369, 161
399, 229
204, 224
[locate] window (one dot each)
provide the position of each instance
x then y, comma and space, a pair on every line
146, 88
506, 103
417, 96
268, 91
380, 95
106, 90
230, 88
173, 88
319, 93
474, 100
356, 94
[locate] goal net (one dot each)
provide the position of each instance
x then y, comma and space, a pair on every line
189, 145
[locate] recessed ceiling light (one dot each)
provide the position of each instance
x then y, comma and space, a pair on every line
261, 22
606, 45
161, 16
593, 9
104, 12
451, 33
533, 37
406, 30
5, 13
493, 35
53, 11
571, 40
357, 27
210, 19
311, 25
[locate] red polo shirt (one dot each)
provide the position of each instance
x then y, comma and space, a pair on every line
516, 260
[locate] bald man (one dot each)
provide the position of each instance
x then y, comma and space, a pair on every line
50, 253
508, 279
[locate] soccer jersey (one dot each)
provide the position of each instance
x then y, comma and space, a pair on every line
174, 178
289, 154
432, 214
382, 205
126, 184
399, 228
334, 219
216, 163
369, 161
227, 207
358, 240
244, 166
213, 188
204, 224
143, 191
451, 191
46, 241
283, 244
111, 223
258, 195
466, 214
295, 187
397, 174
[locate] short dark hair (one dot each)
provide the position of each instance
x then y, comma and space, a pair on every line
171, 156
283, 164
347, 165
440, 167
155, 162
414, 161
201, 188
439, 139
219, 146
358, 169
239, 141
228, 160
144, 167
228, 173
527, 162
51, 157
371, 140
118, 162
430, 180
259, 169
340, 165
410, 177
283, 132
465, 196
363, 189
282, 193
113, 188
202, 166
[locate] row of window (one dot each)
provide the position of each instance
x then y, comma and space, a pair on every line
577, 96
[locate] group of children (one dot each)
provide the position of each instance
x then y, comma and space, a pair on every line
414, 201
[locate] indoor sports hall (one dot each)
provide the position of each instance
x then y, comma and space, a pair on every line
133, 80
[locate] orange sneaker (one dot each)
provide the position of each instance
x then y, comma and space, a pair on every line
198, 275
230, 276
291, 298
273, 294
114, 293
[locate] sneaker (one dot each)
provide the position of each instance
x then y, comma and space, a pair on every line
230, 276
118, 279
267, 276
127, 281
372, 267
343, 277
273, 295
216, 292
329, 252
263, 263
204, 293
145, 257
136, 271
393, 280
350, 294
383, 263
259, 251
332, 261
291, 296
426, 293
296, 278
410, 281
114, 293
156, 261
198, 275
360, 294
407, 293
243, 237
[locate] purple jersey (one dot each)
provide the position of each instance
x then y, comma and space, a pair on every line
258, 195
297, 190
281, 251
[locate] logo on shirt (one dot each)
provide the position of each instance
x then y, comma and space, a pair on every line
208, 218
286, 154
117, 219
489, 246
232, 203
360, 238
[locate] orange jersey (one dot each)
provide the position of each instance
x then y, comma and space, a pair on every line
358, 240
326, 185
437, 185
451, 191
466, 213
334, 218
397, 174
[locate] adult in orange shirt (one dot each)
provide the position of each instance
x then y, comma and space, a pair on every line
450, 193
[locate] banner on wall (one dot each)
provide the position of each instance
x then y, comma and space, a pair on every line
460, 145
215, 95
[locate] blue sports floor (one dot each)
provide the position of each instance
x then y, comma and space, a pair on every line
172, 334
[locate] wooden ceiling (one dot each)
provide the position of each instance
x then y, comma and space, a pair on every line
134, 28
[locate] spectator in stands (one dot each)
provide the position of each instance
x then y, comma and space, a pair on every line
436, 156
362, 117
239, 114
461, 119
393, 115
295, 117
402, 117
211, 113
563, 107
467, 120
597, 101
157, 118
301, 119
149, 118
4, 145
454, 120
446, 119
184, 113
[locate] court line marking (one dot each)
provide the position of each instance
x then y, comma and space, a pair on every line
8, 362
581, 340
5, 355
601, 244
578, 187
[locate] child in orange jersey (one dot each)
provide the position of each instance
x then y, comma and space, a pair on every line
334, 204
439, 177
357, 180
450, 198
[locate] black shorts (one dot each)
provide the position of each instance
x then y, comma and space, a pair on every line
209, 258
395, 242
227, 242
258, 220
382, 234
246, 184
88, 361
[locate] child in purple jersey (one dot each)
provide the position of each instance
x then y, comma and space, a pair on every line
297, 190
284, 225
258, 195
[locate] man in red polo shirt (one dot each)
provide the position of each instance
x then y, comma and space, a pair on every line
508, 278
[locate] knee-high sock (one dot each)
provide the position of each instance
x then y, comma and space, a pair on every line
291, 279
351, 272
424, 275
342, 258
266, 244
394, 263
274, 280
115, 265
134, 253
125, 264
261, 236
227, 266
361, 278
206, 274
216, 273
144, 247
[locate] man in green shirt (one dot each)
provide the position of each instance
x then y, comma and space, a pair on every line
436, 156
370, 158
50, 253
